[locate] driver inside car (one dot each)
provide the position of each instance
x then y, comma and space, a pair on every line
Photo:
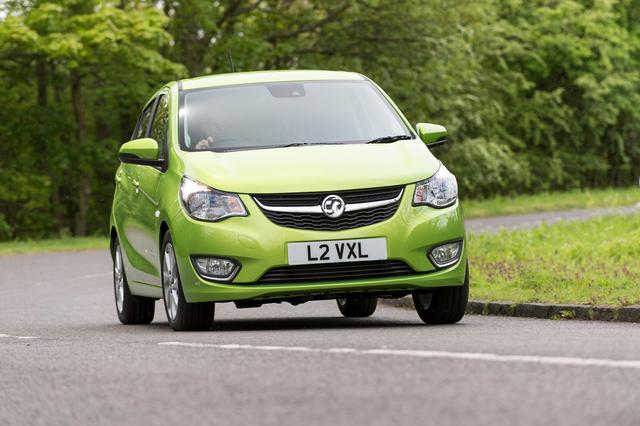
205, 137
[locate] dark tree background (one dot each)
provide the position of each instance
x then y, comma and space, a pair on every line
537, 95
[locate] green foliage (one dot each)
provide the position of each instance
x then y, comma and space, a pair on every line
75, 74
563, 263
551, 201
486, 168
9, 248
537, 95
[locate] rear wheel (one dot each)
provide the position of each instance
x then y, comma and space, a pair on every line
357, 306
182, 316
444, 305
131, 309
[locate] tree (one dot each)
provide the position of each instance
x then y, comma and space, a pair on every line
90, 55
537, 95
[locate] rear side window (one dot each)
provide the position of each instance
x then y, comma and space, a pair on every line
143, 122
160, 126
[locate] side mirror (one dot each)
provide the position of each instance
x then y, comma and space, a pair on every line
431, 134
143, 152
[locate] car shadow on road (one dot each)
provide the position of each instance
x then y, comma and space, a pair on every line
306, 323
301, 323
287, 324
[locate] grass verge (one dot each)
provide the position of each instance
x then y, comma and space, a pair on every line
58, 244
576, 199
589, 262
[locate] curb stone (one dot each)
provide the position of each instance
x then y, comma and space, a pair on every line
540, 310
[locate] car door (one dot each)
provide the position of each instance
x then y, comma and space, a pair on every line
131, 225
147, 212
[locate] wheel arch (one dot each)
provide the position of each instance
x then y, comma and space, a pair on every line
164, 228
113, 236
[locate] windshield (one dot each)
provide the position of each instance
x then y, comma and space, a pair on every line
272, 115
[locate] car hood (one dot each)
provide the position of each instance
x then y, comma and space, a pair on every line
312, 168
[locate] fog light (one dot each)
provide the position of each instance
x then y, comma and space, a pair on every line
216, 268
446, 254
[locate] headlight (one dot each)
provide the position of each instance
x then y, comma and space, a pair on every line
205, 203
440, 190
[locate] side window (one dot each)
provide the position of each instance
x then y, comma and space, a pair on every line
160, 126
143, 123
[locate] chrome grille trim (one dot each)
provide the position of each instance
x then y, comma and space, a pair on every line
303, 210
317, 209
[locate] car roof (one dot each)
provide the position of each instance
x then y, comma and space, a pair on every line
230, 79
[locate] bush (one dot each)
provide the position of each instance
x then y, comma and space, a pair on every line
485, 168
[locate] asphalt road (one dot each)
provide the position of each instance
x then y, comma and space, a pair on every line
493, 224
65, 359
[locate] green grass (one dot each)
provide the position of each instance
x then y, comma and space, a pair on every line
589, 262
58, 244
577, 199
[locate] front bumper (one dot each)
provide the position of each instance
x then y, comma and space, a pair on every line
259, 245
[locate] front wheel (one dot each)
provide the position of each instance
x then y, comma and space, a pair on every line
444, 305
357, 306
182, 316
131, 309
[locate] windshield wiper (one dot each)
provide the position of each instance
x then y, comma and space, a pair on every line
389, 139
306, 144
252, 147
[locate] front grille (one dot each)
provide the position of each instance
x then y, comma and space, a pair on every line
314, 198
320, 222
336, 272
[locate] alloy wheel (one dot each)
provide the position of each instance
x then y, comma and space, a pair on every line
170, 282
118, 277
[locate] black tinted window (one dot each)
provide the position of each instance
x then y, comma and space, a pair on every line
160, 126
141, 130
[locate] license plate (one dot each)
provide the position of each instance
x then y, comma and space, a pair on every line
337, 251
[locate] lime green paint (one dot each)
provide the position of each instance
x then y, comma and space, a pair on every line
261, 245
147, 198
145, 148
312, 168
430, 133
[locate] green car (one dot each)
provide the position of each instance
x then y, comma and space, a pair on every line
287, 186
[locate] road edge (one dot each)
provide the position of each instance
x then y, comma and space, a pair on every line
540, 310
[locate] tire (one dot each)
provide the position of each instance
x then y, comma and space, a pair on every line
182, 316
357, 306
131, 309
444, 305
